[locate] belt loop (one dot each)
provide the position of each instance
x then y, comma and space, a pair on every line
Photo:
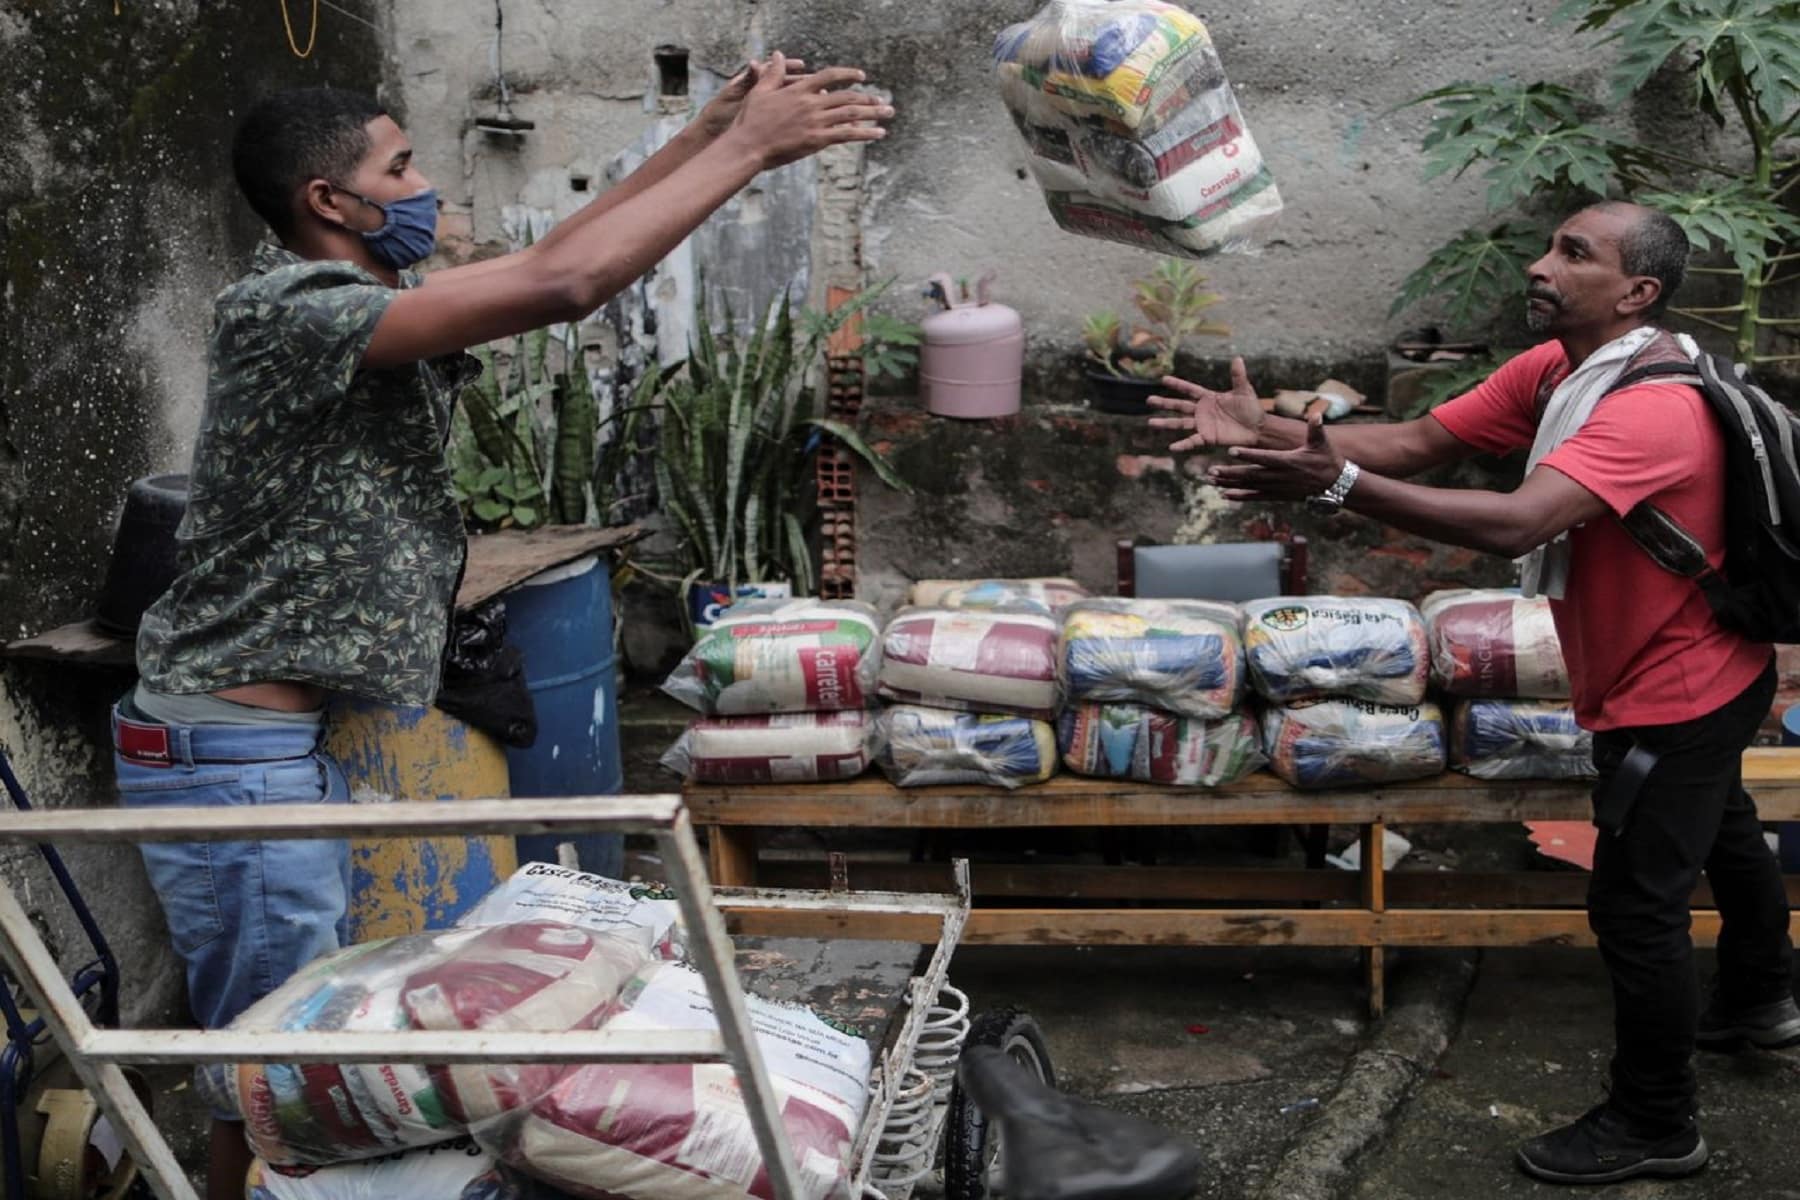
184, 738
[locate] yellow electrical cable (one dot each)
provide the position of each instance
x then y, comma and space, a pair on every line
312, 39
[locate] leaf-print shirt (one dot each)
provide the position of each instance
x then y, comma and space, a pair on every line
322, 542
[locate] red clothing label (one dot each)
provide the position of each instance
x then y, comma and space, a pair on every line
1642, 644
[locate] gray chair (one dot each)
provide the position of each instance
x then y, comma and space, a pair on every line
1229, 571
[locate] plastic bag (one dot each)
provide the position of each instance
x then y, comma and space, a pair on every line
772, 656
777, 748
1133, 131
644, 913
453, 1170
1180, 655
925, 746
533, 976
1306, 647
1495, 643
1520, 739
1335, 743
989, 662
648, 1132
1129, 741
1029, 595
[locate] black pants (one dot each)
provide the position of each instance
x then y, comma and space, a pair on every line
1690, 812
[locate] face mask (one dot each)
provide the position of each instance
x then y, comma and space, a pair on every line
408, 233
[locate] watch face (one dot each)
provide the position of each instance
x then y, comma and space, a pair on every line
1322, 506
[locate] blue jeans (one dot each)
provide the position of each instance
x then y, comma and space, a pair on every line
244, 916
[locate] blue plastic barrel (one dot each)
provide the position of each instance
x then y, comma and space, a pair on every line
1789, 831
562, 622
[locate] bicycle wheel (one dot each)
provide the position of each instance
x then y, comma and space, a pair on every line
972, 1150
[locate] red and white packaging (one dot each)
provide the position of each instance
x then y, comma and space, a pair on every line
650, 1132
776, 748
1495, 644
974, 661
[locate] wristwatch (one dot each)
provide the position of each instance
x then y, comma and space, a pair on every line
1332, 498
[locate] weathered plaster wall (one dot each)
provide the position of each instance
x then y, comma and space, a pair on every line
119, 220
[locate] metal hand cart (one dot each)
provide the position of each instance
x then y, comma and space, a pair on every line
924, 1025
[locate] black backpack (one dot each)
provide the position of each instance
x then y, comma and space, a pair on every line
1758, 591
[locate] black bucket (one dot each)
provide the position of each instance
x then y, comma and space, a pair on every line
143, 556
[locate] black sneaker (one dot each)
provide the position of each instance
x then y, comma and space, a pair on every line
1770, 1026
1601, 1148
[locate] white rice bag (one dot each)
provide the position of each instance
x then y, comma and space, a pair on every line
644, 913
988, 662
775, 748
450, 1170
782, 656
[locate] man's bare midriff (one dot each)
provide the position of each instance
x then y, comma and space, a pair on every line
282, 697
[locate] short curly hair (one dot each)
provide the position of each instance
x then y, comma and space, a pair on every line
297, 135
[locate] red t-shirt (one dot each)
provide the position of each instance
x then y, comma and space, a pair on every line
1642, 644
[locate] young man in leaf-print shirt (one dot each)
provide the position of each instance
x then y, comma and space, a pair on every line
322, 542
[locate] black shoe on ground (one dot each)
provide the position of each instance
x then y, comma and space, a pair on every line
1770, 1026
1602, 1148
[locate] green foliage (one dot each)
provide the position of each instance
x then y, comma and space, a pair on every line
1542, 148
740, 423
1172, 300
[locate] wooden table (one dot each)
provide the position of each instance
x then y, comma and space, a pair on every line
1371, 908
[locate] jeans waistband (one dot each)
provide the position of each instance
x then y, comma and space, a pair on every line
185, 745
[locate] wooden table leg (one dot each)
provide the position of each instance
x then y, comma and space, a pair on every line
1374, 896
731, 855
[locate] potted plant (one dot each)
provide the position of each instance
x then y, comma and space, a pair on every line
1128, 363
1544, 149
739, 424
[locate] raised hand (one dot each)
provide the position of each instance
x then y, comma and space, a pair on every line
1295, 474
783, 121
1212, 419
723, 108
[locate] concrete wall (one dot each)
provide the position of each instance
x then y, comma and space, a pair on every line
118, 222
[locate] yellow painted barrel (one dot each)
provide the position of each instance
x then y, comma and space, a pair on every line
407, 885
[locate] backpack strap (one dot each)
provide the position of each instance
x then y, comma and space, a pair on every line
1674, 549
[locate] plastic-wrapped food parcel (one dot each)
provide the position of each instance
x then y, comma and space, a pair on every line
1495, 643
972, 660
1336, 743
1181, 655
1134, 133
1130, 741
921, 747
1520, 739
1308, 647
775, 748
780, 656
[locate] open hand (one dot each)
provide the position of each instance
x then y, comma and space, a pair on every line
723, 108
1211, 418
783, 121
1293, 474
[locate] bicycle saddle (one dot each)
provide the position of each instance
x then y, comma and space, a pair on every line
1054, 1147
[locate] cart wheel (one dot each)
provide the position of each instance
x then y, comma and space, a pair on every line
971, 1145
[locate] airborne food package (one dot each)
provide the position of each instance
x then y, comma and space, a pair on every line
1180, 655
1520, 739
922, 746
973, 660
775, 748
1339, 743
1307, 647
1495, 643
1129, 741
773, 656
1133, 131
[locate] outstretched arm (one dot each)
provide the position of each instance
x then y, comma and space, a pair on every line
1218, 420
569, 277
1506, 523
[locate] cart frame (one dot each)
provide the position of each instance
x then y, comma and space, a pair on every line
97, 1054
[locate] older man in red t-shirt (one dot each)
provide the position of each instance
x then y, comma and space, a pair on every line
1672, 696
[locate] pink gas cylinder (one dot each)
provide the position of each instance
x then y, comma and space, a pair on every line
973, 353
